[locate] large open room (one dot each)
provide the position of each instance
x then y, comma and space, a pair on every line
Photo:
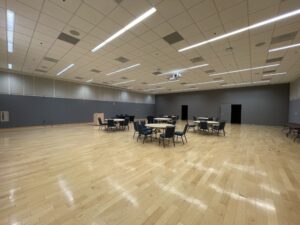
149, 112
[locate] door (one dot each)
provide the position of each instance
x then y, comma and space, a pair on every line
184, 112
225, 113
236, 114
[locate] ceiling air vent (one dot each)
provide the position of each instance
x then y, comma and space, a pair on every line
269, 71
197, 59
40, 70
156, 73
283, 37
278, 59
122, 59
50, 59
260, 44
95, 71
68, 38
209, 71
173, 38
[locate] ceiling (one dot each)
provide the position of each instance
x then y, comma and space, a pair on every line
41, 49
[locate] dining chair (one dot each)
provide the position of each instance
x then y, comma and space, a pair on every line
169, 134
101, 124
203, 126
182, 133
111, 125
220, 127
144, 132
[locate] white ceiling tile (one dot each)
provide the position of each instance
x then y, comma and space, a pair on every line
57, 12
89, 14
70, 6
81, 24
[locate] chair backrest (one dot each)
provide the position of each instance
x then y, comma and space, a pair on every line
131, 118
100, 121
150, 119
143, 122
203, 125
222, 125
126, 122
170, 131
141, 128
110, 123
194, 118
210, 118
185, 128
135, 125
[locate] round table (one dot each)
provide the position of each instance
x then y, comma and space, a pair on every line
209, 122
202, 118
116, 120
158, 125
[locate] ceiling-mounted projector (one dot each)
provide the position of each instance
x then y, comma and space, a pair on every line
175, 76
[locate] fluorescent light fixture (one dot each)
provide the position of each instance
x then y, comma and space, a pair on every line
126, 28
183, 69
274, 74
124, 82
206, 82
244, 70
253, 26
10, 19
9, 66
65, 69
89, 81
284, 47
247, 83
121, 70
166, 82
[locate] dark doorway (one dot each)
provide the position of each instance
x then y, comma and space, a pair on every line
236, 114
184, 112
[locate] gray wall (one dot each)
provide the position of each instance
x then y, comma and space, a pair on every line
267, 105
35, 101
30, 110
294, 111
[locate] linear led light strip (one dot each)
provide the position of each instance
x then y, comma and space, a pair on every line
284, 47
253, 26
274, 74
206, 82
10, 18
244, 70
121, 70
126, 28
166, 82
124, 82
183, 69
247, 83
65, 69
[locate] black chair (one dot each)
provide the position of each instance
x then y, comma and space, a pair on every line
111, 125
203, 126
100, 123
131, 118
143, 122
150, 119
191, 125
143, 131
182, 133
126, 123
210, 118
194, 118
220, 127
169, 134
136, 128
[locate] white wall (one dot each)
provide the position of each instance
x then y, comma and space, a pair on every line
35, 86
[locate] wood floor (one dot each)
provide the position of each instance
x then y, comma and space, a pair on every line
75, 174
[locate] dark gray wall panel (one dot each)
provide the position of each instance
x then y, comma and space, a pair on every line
260, 105
31, 110
294, 112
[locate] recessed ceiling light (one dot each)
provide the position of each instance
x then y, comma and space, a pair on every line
244, 70
206, 82
274, 74
65, 69
89, 81
9, 66
166, 82
183, 69
126, 28
121, 70
10, 18
124, 82
253, 26
284, 47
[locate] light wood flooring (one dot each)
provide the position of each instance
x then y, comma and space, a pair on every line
75, 174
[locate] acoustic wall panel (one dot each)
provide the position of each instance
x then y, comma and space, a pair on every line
28, 85
16, 84
44, 87
4, 83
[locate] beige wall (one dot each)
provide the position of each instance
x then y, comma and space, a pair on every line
34, 86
